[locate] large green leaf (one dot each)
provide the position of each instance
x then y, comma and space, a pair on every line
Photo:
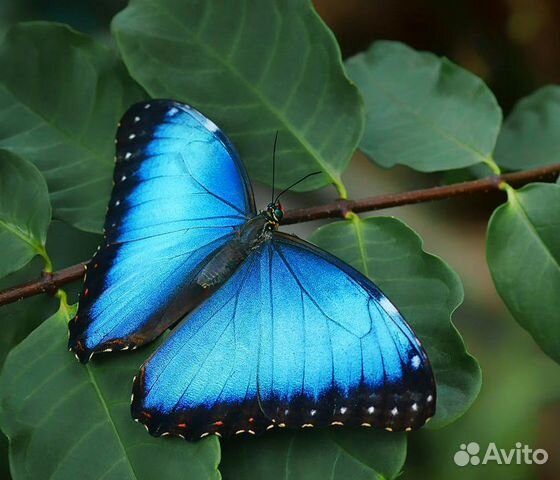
523, 252
423, 288
25, 213
530, 136
423, 111
17, 320
254, 68
65, 419
66, 246
61, 96
334, 454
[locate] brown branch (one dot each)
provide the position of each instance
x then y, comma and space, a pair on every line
50, 282
340, 208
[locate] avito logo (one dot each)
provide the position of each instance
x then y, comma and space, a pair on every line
521, 454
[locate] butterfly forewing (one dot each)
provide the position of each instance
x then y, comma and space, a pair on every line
179, 193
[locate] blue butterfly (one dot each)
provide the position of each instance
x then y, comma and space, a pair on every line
273, 331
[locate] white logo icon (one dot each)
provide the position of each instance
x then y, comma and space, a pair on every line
521, 454
467, 454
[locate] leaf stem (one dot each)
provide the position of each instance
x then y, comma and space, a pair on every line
493, 166
341, 189
42, 251
50, 282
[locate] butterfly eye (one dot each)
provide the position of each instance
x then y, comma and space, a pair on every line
278, 213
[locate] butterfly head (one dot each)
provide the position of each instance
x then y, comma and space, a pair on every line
274, 213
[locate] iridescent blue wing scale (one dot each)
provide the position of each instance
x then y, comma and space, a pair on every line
179, 192
203, 378
350, 359
295, 338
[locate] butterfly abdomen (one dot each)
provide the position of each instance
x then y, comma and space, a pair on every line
226, 260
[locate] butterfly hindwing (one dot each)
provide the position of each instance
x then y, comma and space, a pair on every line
203, 378
336, 350
179, 192
295, 338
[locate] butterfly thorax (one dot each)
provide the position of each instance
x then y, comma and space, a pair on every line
226, 260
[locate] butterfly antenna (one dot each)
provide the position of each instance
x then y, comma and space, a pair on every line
294, 184
274, 166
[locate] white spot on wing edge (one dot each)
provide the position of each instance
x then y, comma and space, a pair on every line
388, 306
210, 125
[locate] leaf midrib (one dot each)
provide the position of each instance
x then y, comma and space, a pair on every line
68, 315
19, 233
110, 418
517, 205
343, 449
431, 125
274, 111
67, 135
357, 223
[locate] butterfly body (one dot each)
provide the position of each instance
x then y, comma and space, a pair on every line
271, 331
226, 260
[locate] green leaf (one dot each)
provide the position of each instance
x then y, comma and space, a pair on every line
530, 136
19, 319
61, 96
64, 418
334, 454
523, 253
66, 246
254, 68
423, 111
423, 288
25, 213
